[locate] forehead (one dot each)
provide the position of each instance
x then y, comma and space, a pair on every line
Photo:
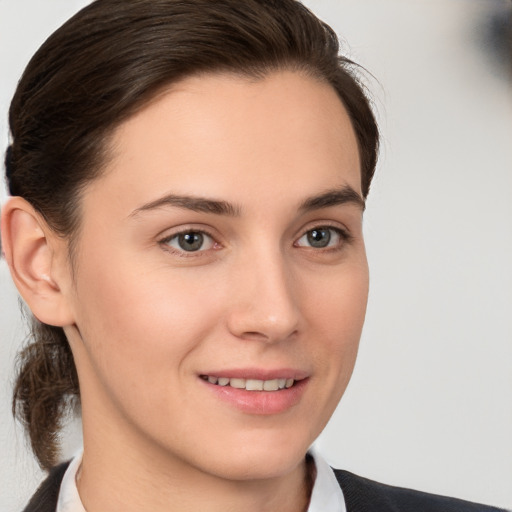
284, 134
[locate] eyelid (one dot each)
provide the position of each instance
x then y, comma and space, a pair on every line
324, 224
163, 241
342, 232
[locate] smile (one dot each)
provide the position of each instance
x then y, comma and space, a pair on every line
250, 384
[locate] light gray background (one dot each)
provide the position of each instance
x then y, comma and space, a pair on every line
430, 403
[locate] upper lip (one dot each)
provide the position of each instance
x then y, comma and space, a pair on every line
259, 373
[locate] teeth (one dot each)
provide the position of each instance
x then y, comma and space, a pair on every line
254, 385
237, 383
271, 385
251, 384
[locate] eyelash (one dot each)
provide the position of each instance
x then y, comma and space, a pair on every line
344, 235
181, 252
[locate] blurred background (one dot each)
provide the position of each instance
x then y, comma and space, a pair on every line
430, 403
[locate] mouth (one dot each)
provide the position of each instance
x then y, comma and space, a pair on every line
275, 392
251, 384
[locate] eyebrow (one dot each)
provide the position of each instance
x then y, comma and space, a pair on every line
196, 204
335, 197
339, 196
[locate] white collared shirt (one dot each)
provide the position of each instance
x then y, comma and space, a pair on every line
327, 495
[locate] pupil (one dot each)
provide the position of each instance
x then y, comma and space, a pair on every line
319, 237
190, 241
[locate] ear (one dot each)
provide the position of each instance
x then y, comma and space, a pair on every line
38, 262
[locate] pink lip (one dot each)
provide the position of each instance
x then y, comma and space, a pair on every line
260, 402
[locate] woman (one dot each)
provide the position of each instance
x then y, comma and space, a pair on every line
188, 183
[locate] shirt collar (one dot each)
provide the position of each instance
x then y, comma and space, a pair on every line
327, 495
69, 499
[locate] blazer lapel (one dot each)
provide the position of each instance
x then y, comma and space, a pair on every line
46, 496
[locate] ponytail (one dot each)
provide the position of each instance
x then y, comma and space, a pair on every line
45, 390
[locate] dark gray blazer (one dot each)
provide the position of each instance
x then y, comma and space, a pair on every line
361, 495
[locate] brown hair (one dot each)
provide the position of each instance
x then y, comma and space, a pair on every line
97, 70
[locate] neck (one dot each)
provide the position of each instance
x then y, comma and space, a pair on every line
122, 484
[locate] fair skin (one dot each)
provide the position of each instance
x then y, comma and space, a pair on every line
270, 285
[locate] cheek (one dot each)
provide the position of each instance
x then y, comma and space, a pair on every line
140, 323
336, 315
143, 314
142, 335
337, 303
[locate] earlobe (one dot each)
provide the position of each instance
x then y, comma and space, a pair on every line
32, 253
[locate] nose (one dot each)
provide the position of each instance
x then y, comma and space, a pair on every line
265, 301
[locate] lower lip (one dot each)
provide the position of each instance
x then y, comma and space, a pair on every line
260, 402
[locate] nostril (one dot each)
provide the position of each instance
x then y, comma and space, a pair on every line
267, 337
254, 335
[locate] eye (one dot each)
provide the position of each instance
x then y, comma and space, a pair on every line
322, 237
189, 241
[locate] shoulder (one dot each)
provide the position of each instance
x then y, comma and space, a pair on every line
46, 496
363, 495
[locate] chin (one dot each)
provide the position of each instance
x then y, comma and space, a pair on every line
258, 459
260, 466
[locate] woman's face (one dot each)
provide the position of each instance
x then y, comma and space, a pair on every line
221, 251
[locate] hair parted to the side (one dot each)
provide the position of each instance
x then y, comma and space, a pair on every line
97, 70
